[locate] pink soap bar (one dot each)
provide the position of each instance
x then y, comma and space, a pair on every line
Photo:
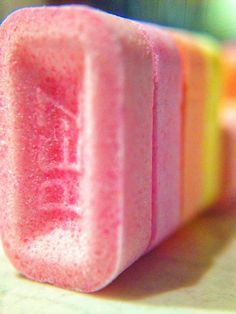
90, 143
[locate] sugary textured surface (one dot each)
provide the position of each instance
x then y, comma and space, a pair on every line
194, 103
167, 137
102, 126
76, 135
193, 272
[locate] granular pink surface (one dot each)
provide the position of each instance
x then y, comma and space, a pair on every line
76, 131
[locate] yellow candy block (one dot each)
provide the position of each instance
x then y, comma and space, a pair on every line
212, 138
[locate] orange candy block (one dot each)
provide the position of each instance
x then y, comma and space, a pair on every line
195, 89
230, 70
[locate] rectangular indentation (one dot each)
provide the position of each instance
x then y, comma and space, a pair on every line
47, 81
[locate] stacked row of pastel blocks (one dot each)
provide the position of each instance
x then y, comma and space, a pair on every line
110, 140
201, 60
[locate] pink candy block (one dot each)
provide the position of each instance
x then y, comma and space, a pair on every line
77, 104
90, 143
167, 135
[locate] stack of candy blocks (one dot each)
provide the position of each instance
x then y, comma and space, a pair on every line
113, 134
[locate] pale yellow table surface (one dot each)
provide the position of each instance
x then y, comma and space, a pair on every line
192, 272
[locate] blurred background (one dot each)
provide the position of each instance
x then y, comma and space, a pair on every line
217, 17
